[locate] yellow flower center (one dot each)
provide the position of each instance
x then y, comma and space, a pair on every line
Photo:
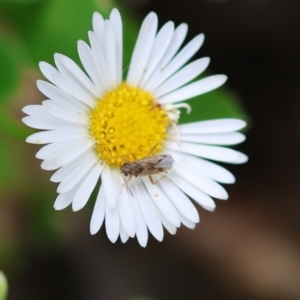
126, 124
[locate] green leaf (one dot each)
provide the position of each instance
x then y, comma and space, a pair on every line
60, 25
50, 26
8, 164
42, 223
10, 67
12, 126
22, 19
3, 286
19, 1
131, 29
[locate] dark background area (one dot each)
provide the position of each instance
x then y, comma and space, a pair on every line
249, 248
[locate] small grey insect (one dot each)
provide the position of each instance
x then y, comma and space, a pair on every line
148, 166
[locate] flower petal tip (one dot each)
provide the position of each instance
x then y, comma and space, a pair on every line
93, 231
76, 207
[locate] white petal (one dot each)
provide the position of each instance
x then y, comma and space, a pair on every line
110, 53
90, 64
178, 61
65, 199
60, 155
46, 137
99, 62
116, 21
185, 75
73, 90
72, 152
54, 149
161, 43
71, 70
177, 40
111, 190
48, 123
123, 235
98, 212
51, 149
187, 223
180, 200
141, 227
142, 49
202, 182
112, 222
125, 210
201, 198
210, 152
62, 201
47, 70
149, 210
85, 190
211, 126
59, 96
72, 178
60, 112
204, 167
35, 110
126, 214
84, 158
170, 227
49, 165
98, 25
231, 138
194, 89
163, 203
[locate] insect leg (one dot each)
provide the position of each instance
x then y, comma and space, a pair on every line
134, 157
152, 181
125, 159
126, 183
177, 133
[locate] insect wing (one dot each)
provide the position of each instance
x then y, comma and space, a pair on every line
165, 163
150, 161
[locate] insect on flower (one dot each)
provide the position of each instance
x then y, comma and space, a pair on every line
94, 115
148, 166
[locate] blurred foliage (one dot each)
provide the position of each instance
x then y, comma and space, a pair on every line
32, 31
3, 286
10, 64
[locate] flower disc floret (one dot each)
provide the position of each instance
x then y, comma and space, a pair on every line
126, 124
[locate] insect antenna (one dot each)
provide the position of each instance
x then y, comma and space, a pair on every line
152, 149
125, 182
173, 112
174, 125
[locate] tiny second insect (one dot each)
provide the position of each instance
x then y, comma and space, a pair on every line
148, 166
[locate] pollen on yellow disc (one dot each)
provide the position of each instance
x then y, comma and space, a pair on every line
126, 124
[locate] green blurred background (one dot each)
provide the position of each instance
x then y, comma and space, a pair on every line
247, 249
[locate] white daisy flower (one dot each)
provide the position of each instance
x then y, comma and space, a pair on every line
94, 123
